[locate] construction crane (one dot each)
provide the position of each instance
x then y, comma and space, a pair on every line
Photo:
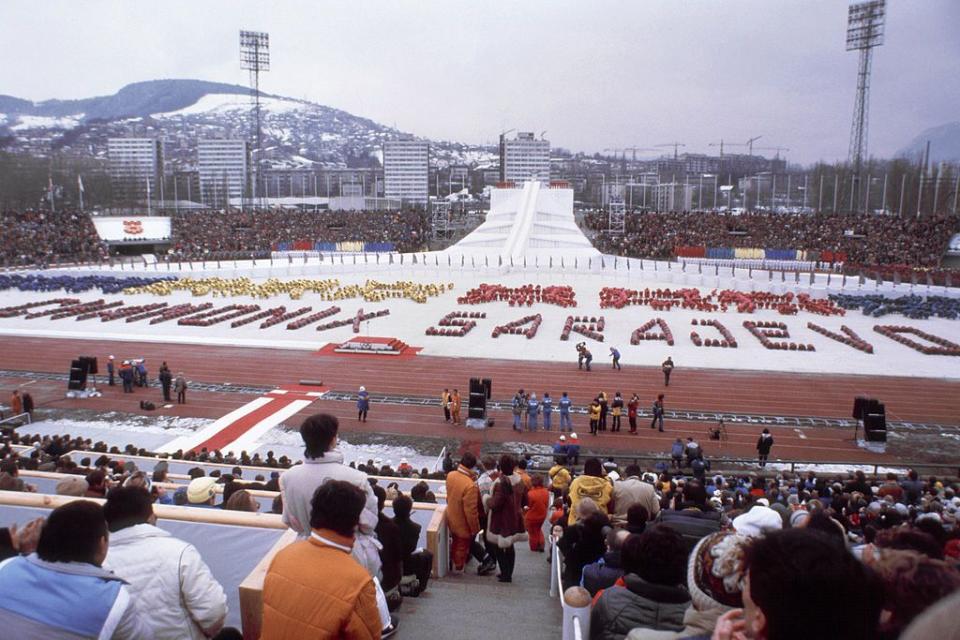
675, 146
777, 149
749, 143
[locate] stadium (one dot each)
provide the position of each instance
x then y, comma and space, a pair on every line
362, 415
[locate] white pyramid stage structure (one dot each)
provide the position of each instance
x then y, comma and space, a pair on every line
533, 222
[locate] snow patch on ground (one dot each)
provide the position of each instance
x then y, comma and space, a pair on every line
46, 122
214, 103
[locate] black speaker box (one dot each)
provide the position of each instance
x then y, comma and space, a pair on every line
858, 405
90, 363
488, 385
476, 413
875, 422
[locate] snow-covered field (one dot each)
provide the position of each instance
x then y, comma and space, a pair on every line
151, 432
408, 321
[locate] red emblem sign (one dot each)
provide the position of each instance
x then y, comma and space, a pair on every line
132, 227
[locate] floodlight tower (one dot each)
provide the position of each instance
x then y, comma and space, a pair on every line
865, 26
255, 57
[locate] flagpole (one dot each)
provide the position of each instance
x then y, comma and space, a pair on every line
80, 189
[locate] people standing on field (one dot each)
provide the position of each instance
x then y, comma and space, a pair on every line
667, 367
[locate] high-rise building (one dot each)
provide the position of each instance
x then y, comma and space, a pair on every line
524, 158
136, 169
406, 171
224, 168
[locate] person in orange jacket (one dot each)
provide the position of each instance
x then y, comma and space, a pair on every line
538, 499
463, 510
455, 406
338, 602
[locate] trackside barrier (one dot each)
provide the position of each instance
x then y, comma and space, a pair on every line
24, 417
422, 513
720, 464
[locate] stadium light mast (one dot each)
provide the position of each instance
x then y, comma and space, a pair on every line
255, 58
865, 31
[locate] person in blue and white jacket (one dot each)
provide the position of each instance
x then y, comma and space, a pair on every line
61, 592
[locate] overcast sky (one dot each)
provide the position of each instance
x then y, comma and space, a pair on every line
594, 74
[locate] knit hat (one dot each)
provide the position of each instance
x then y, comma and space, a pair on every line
757, 521
201, 490
72, 486
715, 571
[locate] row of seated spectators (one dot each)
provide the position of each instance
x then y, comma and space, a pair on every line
353, 581
787, 556
201, 235
47, 450
885, 239
35, 237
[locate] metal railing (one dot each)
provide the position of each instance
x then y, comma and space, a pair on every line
26, 416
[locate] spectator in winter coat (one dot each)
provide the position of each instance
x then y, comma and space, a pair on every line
764, 443
506, 516
592, 484
560, 477
180, 386
391, 551
692, 517
630, 491
603, 573
338, 602
676, 453
61, 592
416, 562
463, 510
166, 381
182, 598
538, 499
715, 574
654, 595
584, 542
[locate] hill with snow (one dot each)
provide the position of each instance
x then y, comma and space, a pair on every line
295, 132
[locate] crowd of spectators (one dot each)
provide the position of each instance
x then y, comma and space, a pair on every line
865, 239
660, 554
211, 234
666, 556
38, 237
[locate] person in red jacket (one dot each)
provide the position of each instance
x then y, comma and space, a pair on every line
538, 499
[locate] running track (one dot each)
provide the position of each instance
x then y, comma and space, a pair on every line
906, 399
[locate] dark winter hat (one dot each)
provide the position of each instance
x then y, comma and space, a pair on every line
715, 571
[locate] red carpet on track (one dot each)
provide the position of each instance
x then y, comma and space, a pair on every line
278, 401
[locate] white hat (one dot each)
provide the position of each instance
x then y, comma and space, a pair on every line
201, 489
613, 475
757, 521
111, 357
563, 438
403, 461
363, 388
573, 436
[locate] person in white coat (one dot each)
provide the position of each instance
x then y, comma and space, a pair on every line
321, 463
176, 591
